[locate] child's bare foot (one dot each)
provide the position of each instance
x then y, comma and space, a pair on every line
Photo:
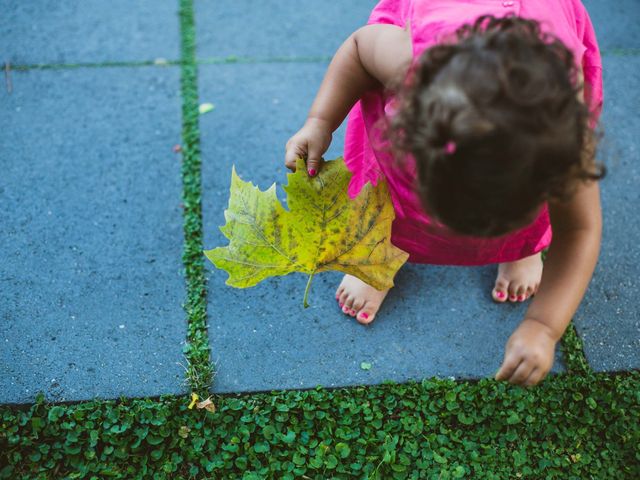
358, 299
518, 280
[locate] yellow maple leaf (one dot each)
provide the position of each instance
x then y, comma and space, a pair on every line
323, 230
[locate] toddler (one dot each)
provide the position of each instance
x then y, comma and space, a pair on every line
480, 116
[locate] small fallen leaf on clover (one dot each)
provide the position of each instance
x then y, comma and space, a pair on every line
184, 431
322, 230
207, 405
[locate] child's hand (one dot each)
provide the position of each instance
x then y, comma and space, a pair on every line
528, 355
310, 142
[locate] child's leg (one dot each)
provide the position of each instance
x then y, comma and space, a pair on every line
518, 280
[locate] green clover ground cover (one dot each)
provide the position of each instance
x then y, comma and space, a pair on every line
578, 425
570, 427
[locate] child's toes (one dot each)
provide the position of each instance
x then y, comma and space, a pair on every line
346, 305
343, 299
499, 292
356, 307
499, 295
346, 308
513, 293
357, 304
366, 315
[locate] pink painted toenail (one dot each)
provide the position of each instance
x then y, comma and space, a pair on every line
521, 298
312, 172
500, 294
364, 315
352, 312
341, 305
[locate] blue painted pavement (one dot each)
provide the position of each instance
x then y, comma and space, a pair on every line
91, 239
615, 23
277, 28
88, 31
608, 319
91, 274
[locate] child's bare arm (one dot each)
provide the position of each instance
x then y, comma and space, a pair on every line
372, 57
572, 257
573, 253
568, 268
577, 228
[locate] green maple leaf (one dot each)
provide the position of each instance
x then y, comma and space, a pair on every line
322, 230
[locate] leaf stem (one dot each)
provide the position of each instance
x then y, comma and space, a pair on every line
306, 291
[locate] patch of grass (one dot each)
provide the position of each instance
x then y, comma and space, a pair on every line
62, 66
199, 370
621, 52
573, 352
569, 427
189, 61
235, 59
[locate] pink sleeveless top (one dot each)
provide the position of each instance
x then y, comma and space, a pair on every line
365, 156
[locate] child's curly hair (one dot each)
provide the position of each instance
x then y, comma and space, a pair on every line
507, 95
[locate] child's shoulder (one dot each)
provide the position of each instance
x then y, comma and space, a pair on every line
385, 52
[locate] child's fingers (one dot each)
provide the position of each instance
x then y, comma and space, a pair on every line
509, 366
293, 152
534, 378
521, 373
314, 160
